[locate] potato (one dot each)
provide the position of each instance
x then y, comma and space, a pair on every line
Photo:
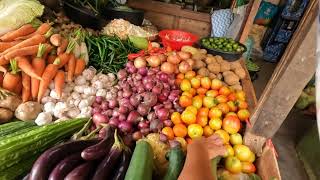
10, 102
224, 66
190, 49
210, 59
235, 65
198, 65
240, 72
210, 55
28, 111
203, 72
212, 76
5, 115
237, 87
231, 78
203, 51
199, 56
214, 68
219, 59
219, 76
227, 73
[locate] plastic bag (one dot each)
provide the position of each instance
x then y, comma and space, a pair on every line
221, 21
265, 13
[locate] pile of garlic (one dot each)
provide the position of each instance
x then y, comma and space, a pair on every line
77, 97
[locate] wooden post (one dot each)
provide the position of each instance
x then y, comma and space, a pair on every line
293, 72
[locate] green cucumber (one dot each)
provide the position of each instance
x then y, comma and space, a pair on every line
11, 127
176, 163
141, 163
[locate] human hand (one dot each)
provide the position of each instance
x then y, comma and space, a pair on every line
213, 145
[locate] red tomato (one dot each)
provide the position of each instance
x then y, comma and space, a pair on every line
231, 124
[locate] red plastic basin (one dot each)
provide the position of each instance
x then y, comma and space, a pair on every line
175, 39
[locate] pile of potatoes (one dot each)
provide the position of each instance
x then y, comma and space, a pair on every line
216, 67
8, 104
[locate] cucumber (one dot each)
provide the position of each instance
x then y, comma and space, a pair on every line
141, 163
12, 127
15, 149
176, 163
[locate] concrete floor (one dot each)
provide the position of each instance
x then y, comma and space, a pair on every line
290, 132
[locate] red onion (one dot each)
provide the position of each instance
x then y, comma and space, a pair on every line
163, 77
148, 86
95, 104
151, 116
156, 89
165, 92
122, 74
146, 79
102, 133
162, 113
140, 89
123, 109
162, 98
127, 94
113, 103
137, 135
143, 109
171, 82
115, 112
166, 86
129, 64
167, 105
133, 117
145, 131
114, 122
96, 110
143, 71
174, 95
135, 100
104, 105
122, 117
99, 118
163, 138
137, 76
168, 123
125, 126
158, 106
130, 107
151, 72
132, 69
155, 125
149, 99
143, 124
174, 87
174, 144
108, 112
120, 94
124, 102
99, 99
155, 69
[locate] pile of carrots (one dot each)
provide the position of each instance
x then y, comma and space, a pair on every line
31, 58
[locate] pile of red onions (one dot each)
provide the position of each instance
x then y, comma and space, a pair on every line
145, 101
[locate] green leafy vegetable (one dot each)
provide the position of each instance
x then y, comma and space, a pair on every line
15, 13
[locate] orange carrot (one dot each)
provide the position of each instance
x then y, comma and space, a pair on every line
80, 66
64, 57
3, 69
6, 45
59, 82
71, 67
26, 87
48, 50
38, 64
63, 46
26, 51
18, 87
1, 77
12, 78
42, 30
56, 39
25, 66
35, 40
47, 76
51, 59
3, 61
22, 31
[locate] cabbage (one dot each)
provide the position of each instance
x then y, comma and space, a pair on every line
16, 13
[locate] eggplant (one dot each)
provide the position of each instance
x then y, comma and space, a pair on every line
50, 158
101, 149
123, 165
105, 168
65, 166
82, 172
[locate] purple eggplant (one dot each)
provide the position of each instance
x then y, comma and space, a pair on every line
101, 149
122, 168
65, 166
50, 158
105, 168
82, 172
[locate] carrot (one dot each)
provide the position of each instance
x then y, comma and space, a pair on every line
47, 76
35, 40
18, 87
71, 67
64, 57
56, 39
26, 87
22, 31
59, 82
80, 66
1, 77
42, 30
26, 51
63, 46
38, 64
3, 69
47, 51
3, 61
6, 45
12, 78
25, 66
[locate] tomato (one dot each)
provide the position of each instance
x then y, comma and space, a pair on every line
190, 74
230, 151
216, 84
197, 102
195, 131
215, 123
195, 82
252, 157
182, 141
178, 82
205, 82
224, 135
202, 90
223, 107
215, 113
176, 118
207, 131
232, 106
193, 109
248, 167
180, 130
243, 114
222, 99
224, 90
231, 124
187, 93
180, 76
203, 111
202, 120
185, 101
199, 76
242, 152
209, 102
242, 104
232, 97
189, 140
188, 117
212, 93
231, 114
185, 85
168, 132
240, 95
235, 139
193, 91
233, 164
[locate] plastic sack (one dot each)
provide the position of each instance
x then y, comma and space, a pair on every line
265, 13
239, 14
221, 21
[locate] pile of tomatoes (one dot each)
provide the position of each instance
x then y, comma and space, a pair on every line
212, 107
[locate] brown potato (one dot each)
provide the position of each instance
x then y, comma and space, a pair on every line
5, 115
203, 51
28, 111
224, 66
199, 56
235, 65
231, 78
212, 76
214, 68
198, 64
10, 102
210, 59
219, 76
227, 73
219, 59
203, 72
240, 72
237, 87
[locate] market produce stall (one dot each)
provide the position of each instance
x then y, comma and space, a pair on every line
89, 104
